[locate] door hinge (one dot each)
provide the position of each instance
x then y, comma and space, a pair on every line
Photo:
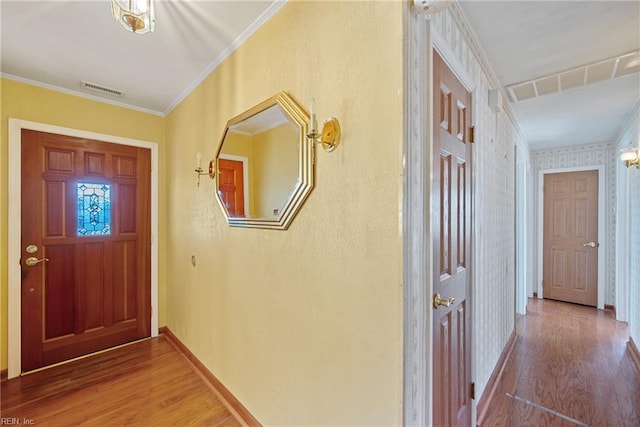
472, 134
473, 391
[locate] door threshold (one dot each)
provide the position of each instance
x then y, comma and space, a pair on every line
84, 356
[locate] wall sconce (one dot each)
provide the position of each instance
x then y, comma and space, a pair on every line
330, 135
631, 157
199, 171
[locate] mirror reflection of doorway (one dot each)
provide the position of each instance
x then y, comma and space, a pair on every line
231, 185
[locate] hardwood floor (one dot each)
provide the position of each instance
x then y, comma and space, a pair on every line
146, 384
570, 366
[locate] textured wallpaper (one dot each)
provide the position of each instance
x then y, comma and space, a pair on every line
570, 157
494, 174
634, 252
630, 136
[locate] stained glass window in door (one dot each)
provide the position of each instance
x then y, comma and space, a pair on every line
94, 209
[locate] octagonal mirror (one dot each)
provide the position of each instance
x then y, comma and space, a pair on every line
265, 164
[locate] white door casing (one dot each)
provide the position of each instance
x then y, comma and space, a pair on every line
622, 302
420, 38
602, 235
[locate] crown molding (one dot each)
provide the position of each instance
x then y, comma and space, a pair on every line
263, 18
80, 94
474, 44
605, 145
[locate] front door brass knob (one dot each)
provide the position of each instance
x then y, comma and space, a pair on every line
439, 302
590, 245
31, 261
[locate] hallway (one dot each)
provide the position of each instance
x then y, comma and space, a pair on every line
570, 366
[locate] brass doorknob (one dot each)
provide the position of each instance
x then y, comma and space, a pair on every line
439, 302
31, 261
591, 244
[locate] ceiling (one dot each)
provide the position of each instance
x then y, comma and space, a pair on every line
61, 43
526, 40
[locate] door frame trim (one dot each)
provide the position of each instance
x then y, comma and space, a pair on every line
416, 226
623, 246
419, 41
14, 221
602, 235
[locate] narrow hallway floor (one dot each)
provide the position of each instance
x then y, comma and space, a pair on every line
570, 366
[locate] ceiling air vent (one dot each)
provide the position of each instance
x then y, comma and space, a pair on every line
611, 68
101, 89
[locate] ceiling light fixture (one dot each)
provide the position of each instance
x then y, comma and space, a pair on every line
136, 16
631, 157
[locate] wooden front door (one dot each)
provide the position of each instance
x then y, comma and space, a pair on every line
86, 247
451, 213
231, 186
570, 250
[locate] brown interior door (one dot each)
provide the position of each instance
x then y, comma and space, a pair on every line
570, 249
231, 186
86, 247
451, 213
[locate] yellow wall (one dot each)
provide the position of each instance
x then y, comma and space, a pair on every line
303, 326
26, 102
